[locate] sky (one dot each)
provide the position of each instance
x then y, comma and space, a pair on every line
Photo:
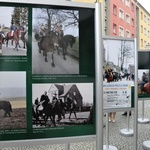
6, 15
115, 45
12, 79
145, 4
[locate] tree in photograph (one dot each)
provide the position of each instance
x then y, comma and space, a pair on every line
53, 17
126, 52
20, 16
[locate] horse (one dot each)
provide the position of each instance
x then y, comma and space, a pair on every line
15, 37
24, 38
6, 106
47, 44
64, 42
42, 113
71, 106
144, 89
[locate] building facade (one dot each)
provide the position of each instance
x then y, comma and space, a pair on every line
143, 27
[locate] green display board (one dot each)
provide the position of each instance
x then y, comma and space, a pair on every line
47, 70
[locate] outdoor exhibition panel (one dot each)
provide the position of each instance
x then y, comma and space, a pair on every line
48, 66
119, 83
118, 73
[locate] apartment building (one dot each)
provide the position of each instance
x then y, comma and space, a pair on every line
125, 18
143, 27
120, 18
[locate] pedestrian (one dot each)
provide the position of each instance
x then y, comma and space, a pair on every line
112, 116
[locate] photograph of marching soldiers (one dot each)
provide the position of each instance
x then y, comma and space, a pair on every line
62, 104
12, 100
143, 81
55, 41
13, 31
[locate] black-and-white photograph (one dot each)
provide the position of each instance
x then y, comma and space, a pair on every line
62, 104
14, 31
12, 100
55, 41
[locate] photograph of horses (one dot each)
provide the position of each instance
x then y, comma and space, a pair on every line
55, 41
143, 81
55, 105
118, 70
14, 30
12, 100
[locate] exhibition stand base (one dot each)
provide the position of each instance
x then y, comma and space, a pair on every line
126, 132
105, 147
143, 120
146, 145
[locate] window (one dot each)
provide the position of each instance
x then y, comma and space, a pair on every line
141, 42
148, 21
148, 33
115, 10
141, 29
145, 31
121, 14
132, 35
127, 34
141, 15
127, 18
145, 18
121, 32
132, 6
132, 22
128, 3
114, 28
122, 1
145, 44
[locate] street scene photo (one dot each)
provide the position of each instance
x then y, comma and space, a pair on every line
13, 31
55, 41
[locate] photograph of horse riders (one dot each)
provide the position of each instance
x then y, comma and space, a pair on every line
55, 41
62, 104
143, 81
14, 30
13, 100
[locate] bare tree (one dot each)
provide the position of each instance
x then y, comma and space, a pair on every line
126, 52
69, 18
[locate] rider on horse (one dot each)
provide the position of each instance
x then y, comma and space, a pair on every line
13, 28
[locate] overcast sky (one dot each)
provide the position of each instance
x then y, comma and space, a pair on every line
12, 79
145, 4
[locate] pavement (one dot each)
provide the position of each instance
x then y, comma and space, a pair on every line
115, 138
